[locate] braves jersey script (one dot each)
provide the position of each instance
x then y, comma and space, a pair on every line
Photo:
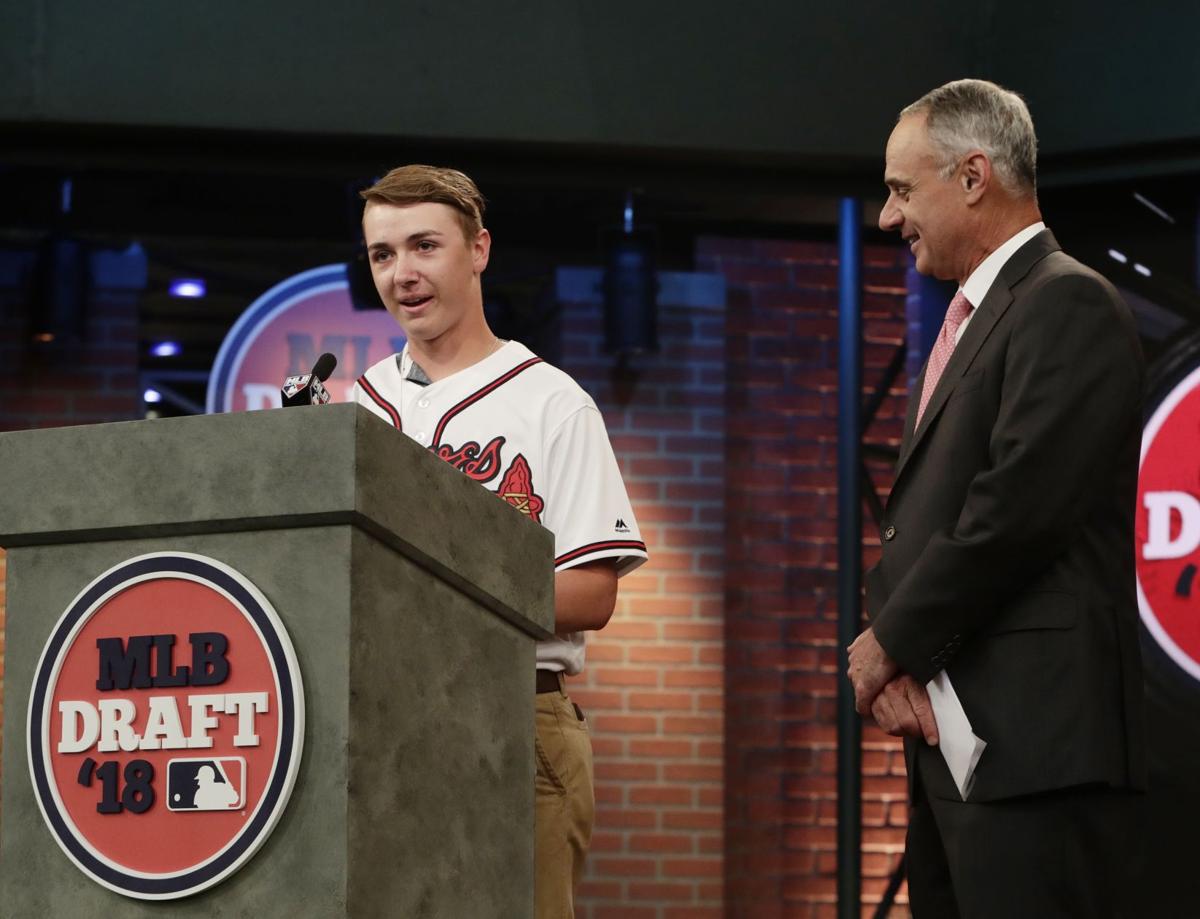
525, 430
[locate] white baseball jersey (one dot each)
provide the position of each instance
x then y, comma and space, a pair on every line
525, 430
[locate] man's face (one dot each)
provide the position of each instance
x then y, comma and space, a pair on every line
426, 272
927, 210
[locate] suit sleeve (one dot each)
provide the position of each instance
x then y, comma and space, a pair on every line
1069, 404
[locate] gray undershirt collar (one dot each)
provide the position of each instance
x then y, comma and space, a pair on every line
415, 372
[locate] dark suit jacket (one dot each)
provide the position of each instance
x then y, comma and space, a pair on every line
1008, 538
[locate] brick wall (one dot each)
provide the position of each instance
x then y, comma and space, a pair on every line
781, 570
653, 683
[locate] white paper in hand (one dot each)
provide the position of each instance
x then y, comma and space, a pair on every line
960, 747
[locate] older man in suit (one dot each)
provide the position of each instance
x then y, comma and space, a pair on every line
1008, 545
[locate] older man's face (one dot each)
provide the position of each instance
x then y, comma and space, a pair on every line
924, 208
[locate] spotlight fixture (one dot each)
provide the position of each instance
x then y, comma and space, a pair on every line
630, 288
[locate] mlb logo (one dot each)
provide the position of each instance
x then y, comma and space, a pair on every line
293, 385
214, 784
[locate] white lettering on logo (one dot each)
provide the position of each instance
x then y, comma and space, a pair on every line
80, 726
109, 725
244, 705
116, 726
1159, 508
163, 724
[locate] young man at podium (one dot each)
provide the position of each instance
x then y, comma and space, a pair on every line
519, 427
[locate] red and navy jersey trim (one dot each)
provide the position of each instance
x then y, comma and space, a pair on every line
383, 403
476, 396
635, 544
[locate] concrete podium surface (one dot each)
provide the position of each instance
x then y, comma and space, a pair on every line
412, 597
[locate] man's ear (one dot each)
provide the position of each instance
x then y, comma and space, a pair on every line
480, 250
975, 175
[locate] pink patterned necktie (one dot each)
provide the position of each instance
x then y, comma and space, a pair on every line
960, 308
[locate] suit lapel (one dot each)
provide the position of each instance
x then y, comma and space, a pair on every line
997, 301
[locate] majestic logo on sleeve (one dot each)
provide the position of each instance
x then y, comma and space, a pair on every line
1168, 524
165, 725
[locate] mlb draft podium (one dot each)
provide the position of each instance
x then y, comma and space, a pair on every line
269, 664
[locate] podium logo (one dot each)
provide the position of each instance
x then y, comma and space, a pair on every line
166, 724
1168, 524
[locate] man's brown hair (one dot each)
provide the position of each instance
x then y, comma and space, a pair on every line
418, 184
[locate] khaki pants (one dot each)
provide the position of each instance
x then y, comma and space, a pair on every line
564, 804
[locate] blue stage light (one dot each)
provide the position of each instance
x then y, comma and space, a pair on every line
188, 287
166, 349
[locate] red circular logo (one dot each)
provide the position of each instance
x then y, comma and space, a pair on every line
1168, 524
165, 725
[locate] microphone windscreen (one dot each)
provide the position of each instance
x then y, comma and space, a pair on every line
324, 366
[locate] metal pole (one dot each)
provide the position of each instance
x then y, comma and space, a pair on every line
849, 754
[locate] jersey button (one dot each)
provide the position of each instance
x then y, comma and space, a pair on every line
424, 403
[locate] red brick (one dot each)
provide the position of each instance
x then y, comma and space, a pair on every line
693, 584
626, 444
663, 559
693, 820
692, 772
596, 699
626, 818
678, 724
679, 843
615, 771
644, 700
661, 606
692, 867
666, 513
693, 631
624, 867
694, 445
611, 747
628, 629
660, 891
695, 491
624, 912
662, 654
603, 841
660, 794
693, 678
608, 653
624, 676
660, 749
625, 724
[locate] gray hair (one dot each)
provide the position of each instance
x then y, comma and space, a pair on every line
967, 115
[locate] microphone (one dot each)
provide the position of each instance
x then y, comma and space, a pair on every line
306, 388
